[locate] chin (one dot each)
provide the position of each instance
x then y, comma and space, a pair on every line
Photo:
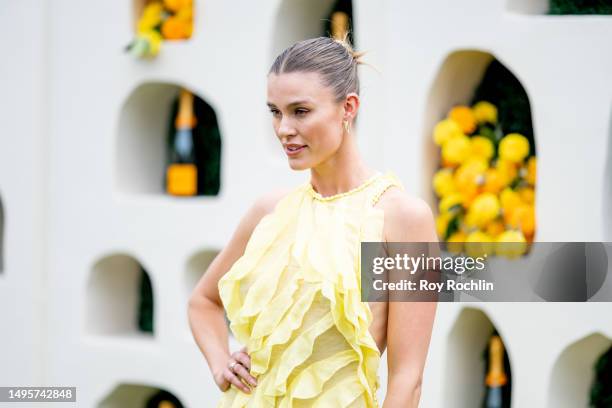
298, 165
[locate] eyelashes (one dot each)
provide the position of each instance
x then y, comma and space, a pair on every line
298, 112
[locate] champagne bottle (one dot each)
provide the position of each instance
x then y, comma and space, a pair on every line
340, 21
182, 172
496, 378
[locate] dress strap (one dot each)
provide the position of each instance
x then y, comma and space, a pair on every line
388, 179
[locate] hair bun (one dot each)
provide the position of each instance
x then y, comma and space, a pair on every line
356, 55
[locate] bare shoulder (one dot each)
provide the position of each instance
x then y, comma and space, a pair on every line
407, 218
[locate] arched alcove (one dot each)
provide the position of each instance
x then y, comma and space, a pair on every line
573, 372
2, 222
138, 395
464, 78
143, 141
120, 298
465, 366
607, 196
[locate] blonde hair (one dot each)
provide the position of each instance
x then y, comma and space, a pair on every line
334, 59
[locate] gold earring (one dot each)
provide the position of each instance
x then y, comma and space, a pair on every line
347, 127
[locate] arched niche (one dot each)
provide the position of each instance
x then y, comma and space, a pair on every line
573, 373
142, 143
465, 366
607, 196
138, 395
120, 298
459, 81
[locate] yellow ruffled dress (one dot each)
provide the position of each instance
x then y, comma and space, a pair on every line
294, 300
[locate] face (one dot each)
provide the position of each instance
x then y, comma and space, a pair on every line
306, 118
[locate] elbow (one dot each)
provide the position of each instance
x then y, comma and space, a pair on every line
404, 390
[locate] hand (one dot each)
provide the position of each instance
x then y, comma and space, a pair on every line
238, 374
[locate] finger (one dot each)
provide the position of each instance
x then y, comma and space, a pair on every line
243, 358
242, 372
232, 378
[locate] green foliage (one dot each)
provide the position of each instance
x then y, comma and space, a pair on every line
500, 87
561, 7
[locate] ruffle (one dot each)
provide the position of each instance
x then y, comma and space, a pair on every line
305, 248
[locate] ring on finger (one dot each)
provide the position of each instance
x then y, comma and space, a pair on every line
231, 365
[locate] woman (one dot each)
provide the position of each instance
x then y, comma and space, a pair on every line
289, 277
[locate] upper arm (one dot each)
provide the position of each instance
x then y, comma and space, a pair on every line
409, 324
207, 285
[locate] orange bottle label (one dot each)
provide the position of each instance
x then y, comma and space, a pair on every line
182, 179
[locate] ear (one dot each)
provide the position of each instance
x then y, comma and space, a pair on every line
351, 106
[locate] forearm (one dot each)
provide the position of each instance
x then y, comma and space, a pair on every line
210, 332
403, 391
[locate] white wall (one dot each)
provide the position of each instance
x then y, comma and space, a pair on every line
68, 129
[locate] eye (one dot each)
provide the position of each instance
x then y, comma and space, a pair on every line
275, 112
301, 112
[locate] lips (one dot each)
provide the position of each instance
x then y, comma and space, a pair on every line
294, 149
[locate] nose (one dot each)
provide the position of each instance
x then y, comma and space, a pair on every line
286, 128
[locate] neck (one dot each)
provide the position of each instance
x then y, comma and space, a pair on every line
341, 172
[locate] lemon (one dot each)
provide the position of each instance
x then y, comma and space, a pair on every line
464, 117
514, 147
511, 244
482, 147
445, 130
485, 112
443, 182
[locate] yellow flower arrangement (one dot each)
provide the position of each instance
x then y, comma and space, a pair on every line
485, 184
161, 20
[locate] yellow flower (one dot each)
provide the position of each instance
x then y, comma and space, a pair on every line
449, 201
445, 130
514, 147
531, 170
153, 40
464, 117
509, 200
174, 29
494, 181
484, 209
479, 243
151, 17
456, 149
485, 112
455, 242
442, 221
507, 170
482, 147
495, 228
527, 195
470, 174
443, 183
523, 217
176, 5
511, 244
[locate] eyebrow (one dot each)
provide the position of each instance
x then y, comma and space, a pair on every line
270, 104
